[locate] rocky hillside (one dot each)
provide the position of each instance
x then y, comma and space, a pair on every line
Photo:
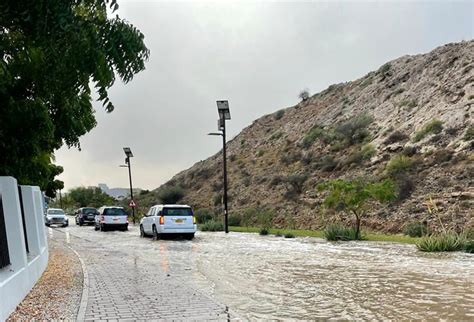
411, 121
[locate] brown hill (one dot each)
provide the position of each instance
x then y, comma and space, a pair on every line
411, 120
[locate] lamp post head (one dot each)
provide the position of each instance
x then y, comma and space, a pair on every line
223, 110
128, 152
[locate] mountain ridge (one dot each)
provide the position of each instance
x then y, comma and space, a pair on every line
416, 108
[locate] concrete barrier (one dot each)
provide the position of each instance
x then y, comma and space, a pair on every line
24, 253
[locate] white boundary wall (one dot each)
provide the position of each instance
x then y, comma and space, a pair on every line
17, 279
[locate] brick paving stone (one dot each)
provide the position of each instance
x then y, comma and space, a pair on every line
124, 286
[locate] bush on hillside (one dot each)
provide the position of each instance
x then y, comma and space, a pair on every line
279, 114
289, 235
355, 129
433, 127
396, 136
415, 229
263, 231
326, 163
171, 195
469, 135
313, 134
397, 165
304, 95
358, 156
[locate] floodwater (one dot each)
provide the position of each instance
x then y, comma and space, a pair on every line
266, 277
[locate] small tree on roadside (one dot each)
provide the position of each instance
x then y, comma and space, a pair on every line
353, 197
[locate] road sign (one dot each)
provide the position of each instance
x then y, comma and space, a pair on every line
132, 204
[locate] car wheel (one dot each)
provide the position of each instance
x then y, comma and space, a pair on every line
155, 233
96, 227
81, 223
142, 231
48, 225
102, 227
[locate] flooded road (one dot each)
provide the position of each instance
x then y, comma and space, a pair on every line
308, 278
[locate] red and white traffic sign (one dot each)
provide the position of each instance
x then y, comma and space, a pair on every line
132, 204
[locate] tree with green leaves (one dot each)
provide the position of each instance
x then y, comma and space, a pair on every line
90, 197
354, 197
51, 53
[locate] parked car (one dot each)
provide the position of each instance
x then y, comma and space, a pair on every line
56, 216
109, 217
86, 215
168, 219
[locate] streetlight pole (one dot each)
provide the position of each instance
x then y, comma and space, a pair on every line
129, 154
224, 156
224, 114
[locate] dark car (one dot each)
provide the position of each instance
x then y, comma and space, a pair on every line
85, 216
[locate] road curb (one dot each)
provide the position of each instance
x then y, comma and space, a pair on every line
81, 313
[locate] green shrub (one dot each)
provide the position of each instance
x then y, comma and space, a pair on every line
399, 164
217, 199
171, 195
339, 232
263, 231
279, 114
276, 135
433, 127
313, 134
357, 157
203, 215
415, 229
326, 163
384, 68
234, 220
396, 136
291, 157
469, 135
354, 130
296, 182
469, 246
445, 242
212, 225
289, 235
278, 234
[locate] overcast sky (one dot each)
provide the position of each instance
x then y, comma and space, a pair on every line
258, 55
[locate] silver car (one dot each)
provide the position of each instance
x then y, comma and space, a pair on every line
56, 216
111, 218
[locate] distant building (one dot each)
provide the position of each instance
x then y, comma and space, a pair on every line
117, 193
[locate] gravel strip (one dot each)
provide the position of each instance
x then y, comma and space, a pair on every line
57, 294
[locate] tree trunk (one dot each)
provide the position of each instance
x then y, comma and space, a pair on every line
357, 225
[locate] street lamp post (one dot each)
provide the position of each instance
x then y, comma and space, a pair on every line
224, 114
129, 155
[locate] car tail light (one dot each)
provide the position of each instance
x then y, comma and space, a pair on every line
194, 220
162, 220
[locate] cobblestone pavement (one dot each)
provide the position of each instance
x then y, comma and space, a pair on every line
126, 283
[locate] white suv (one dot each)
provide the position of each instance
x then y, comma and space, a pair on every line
168, 219
111, 217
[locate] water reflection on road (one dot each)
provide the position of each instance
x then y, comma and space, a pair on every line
307, 278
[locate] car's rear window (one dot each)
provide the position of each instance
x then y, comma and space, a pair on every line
89, 210
114, 212
177, 212
55, 212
